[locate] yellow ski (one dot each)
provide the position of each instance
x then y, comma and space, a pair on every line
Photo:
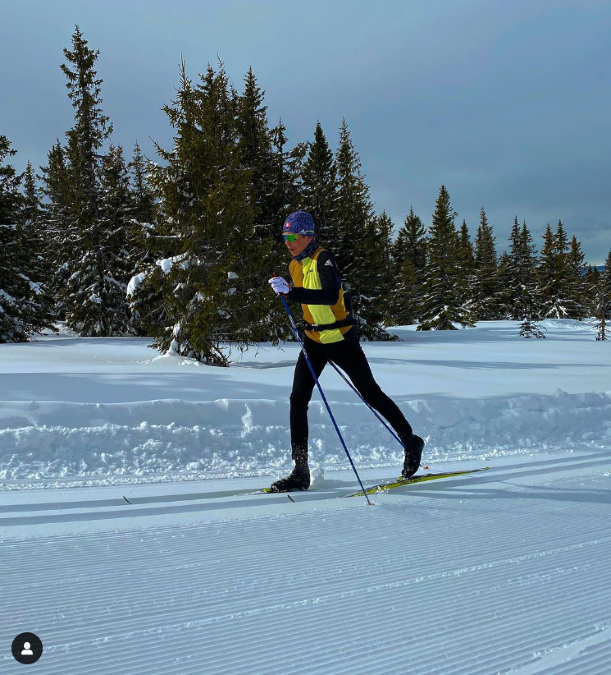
400, 482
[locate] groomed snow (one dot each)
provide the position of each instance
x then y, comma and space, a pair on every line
502, 572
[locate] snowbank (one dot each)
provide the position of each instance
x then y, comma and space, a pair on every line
231, 437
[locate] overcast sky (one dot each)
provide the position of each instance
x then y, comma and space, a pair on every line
506, 102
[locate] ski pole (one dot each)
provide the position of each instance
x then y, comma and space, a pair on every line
324, 398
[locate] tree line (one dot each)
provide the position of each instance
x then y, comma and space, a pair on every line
181, 249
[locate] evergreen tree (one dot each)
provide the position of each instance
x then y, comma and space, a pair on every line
210, 278
143, 201
352, 205
373, 277
521, 282
486, 264
288, 173
22, 312
319, 191
356, 229
465, 256
57, 209
603, 301
408, 265
143, 246
554, 277
591, 281
92, 297
442, 303
35, 259
576, 281
262, 155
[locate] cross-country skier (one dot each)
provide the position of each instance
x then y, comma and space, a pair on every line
330, 335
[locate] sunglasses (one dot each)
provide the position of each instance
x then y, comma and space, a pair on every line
291, 237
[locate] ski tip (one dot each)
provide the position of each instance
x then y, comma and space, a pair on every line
126, 499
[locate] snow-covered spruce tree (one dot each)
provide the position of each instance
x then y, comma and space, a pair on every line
21, 311
354, 210
576, 281
442, 303
466, 263
143, 247
520, 285
96, 262
591, 280
56, 217
372, 279
115, 215
486, 268
261, 157
603, 302
288, 173
353, 231
408, 260
210, 283
319, 188
35, 238
553, 274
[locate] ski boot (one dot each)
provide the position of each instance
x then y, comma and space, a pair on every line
298, 479
413, 454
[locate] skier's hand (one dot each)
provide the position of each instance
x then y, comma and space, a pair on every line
279, 285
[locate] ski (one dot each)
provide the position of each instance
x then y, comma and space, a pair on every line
400, 482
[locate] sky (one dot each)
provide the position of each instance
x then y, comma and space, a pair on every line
505, 102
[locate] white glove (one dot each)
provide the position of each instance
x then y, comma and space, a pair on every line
279, 285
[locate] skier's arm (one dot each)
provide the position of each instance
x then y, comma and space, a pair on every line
330, 281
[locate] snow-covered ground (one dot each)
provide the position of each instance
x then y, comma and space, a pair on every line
503, 572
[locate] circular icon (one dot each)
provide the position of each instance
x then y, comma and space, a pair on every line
27, 648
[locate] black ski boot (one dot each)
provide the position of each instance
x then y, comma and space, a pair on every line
413, 455
298, 479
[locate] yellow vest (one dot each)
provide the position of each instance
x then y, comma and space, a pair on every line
304, 274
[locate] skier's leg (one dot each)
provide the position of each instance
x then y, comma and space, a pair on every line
303, 385
350, 357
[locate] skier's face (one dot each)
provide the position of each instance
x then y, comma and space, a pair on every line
297, 247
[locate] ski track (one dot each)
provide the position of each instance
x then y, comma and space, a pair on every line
525, 590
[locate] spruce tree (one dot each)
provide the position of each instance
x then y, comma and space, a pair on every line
352, 205
319, 190
465, 256
603, 302
576, 282
521, 282
57, 209
408, 265
486, 268
373, 279
442, 306
264, 161
591, 280
355, 229
36, 260
22, 308
553, 273
209, 280
92, 298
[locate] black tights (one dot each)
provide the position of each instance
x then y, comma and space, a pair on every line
349, 356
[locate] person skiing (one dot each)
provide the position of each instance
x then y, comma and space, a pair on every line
330, 335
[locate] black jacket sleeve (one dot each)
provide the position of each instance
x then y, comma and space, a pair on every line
330, 281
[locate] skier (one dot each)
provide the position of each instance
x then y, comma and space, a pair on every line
330, 335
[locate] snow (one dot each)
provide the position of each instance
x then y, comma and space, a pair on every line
502, 572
